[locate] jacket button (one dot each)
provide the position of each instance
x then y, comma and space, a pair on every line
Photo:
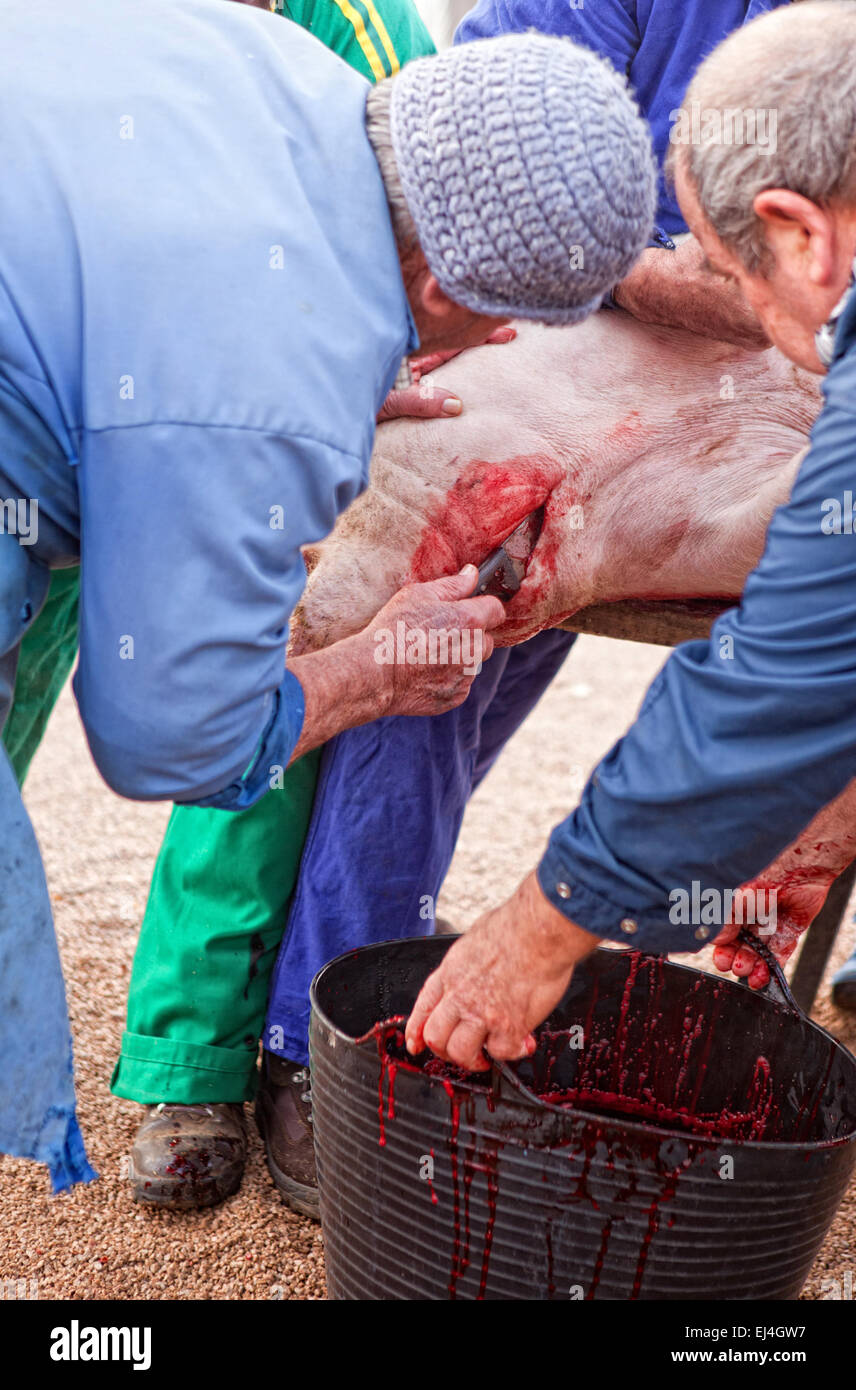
702, 933
563, 890
628, 925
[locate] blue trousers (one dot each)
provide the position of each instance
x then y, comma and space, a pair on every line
37, 1107
388, 808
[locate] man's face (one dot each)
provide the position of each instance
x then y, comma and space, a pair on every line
789, 303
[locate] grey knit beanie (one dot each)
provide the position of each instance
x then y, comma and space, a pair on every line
528, 172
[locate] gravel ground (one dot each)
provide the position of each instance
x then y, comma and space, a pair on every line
99, 851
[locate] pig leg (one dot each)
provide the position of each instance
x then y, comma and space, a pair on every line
642, 536
801, 877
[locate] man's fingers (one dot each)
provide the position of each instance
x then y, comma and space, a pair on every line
741, 961
723, 956
744, 962
419, 402
759, 976
465, 1043
485, 612
502, 335
429, 997
506, 1047
440, 1026
421, 366
729, 933
783, 950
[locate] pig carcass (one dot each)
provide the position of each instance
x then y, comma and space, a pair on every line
658, 457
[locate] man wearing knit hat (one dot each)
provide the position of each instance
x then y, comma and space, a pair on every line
204, 303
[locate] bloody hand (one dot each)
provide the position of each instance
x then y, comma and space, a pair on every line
797, 905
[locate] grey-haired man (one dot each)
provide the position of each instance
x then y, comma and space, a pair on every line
727, 762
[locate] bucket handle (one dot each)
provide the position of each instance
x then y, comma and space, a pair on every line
777, 987
507, 1086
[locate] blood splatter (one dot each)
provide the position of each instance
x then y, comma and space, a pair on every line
483, 506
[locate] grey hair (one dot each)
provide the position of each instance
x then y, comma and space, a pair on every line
800, 71
379, 131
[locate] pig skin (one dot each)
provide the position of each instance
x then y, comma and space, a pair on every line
631, 430
676, 448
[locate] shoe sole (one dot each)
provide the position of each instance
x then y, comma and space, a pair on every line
300, 1196
181, 1194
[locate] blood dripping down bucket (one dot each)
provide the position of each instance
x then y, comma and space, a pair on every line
675, 1136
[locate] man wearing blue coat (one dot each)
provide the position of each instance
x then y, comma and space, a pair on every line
217, 243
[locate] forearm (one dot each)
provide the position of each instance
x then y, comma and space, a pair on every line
669, 288
343, 686
355, 681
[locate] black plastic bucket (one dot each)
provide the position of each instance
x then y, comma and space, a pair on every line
711, 1137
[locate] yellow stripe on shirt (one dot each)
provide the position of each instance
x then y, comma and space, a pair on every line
372, 56
379, 25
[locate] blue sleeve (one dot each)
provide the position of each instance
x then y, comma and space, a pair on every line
607, 26
741, 740
191, 568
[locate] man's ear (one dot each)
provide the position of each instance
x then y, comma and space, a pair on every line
434, 300
791, 219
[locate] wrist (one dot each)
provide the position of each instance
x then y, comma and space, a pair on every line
560, 938
372, 678
343, 687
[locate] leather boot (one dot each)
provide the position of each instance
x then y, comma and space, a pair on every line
188, 1156
284, 1118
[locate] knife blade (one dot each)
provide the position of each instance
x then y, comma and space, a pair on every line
501, 574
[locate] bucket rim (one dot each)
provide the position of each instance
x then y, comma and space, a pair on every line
539, 1103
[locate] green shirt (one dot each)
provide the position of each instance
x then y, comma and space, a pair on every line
375, 36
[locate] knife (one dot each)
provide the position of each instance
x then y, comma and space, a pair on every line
501, 574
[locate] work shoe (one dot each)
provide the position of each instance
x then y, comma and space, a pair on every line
284, 1118
188, 1156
